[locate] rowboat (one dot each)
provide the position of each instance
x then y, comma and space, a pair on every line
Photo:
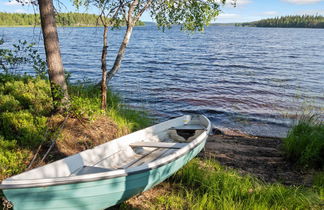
112, 172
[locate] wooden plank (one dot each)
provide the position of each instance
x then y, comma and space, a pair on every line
189, 127
146, 157
159, 145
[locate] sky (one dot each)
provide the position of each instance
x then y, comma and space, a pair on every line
245, 10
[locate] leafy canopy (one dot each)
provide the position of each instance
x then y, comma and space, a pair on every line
192, 15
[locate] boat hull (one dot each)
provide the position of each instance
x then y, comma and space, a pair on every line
98, 194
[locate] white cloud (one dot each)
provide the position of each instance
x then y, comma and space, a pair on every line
228, 15
310, 12
12, 3
302, 1
16, 3
237, 3
243, 2
20, 11
270, 13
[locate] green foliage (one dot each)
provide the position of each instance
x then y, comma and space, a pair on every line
27, 128
207, 185
22, 53
26, 93
192, 15
305, 142
85, 102
24, 104
9, 103
295, 21
12, 160
127, 118
62, 19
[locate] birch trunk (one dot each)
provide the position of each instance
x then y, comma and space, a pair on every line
104, 69
121, 52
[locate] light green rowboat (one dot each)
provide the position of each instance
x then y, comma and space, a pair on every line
112, 172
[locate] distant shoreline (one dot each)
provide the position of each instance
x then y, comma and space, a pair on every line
59, 26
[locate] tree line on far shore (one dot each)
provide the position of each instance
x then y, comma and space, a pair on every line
292, 21
62, 19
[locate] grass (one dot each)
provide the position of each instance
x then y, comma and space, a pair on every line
205, 184
305, 142
86, 102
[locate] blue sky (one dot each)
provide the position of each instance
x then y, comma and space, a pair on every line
246, 10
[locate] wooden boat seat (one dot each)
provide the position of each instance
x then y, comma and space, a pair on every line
90, 170
189, 127
149, 157
166, 145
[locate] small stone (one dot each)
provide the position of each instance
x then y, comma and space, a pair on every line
216, 131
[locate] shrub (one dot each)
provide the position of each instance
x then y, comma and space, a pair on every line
32, 94
9, 103
305, 142
12, 160
24, 127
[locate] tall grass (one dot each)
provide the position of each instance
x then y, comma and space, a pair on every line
86, 98
208, 185
305, 142
318, 184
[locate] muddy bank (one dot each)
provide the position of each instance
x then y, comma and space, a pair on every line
259, 156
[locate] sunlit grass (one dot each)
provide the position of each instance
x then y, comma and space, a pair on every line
205, 184
127, 119
305, 142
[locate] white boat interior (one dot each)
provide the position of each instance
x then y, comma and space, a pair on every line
145, 148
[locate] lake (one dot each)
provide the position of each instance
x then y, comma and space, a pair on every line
252, 79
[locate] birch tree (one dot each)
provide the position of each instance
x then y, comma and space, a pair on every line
192, 15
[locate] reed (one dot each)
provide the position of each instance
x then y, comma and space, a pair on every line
305, 141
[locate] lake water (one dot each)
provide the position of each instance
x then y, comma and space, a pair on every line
252, 79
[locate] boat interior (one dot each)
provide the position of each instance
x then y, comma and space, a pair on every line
133, 150
145, 152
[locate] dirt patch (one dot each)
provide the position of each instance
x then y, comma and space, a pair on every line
259, 156
74, 136
78, 135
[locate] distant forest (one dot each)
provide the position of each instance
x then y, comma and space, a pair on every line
62, 19
295, 21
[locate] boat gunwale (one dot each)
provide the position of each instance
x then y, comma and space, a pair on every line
32, 183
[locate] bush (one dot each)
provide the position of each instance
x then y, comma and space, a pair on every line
305, 142
24, 127
12, 160
32, 94
9, 103
24, 104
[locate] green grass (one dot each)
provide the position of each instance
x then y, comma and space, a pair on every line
318, 184
86, 101
305, 142
205, 184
